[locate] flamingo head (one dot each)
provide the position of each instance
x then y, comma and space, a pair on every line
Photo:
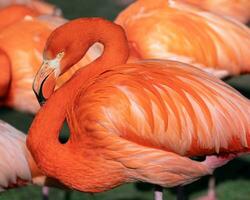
60, 53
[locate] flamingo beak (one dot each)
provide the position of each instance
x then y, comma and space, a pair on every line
45, 79
40, 82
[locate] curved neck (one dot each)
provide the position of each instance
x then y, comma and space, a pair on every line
80, 34
46, 126
14, 13
5, 74
54, 158
69, 163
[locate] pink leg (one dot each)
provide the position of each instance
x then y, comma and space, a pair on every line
211, 195
214, 162
45, 193
158, 193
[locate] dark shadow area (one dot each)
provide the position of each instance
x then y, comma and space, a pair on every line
136, 198
240, 83
64, 134
236, 169
19, 120
94, 8
144, 186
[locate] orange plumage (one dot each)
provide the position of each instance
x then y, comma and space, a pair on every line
138, 121
37, 5
21, 47
12, 14
170, 30
235, 9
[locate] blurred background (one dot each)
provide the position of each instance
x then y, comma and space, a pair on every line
233, 180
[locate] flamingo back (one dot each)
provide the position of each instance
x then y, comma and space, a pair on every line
165, 105
24, 42
235, 9
170, 30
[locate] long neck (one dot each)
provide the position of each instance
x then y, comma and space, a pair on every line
5, 74
14, 13
73, 163
49, 154
54, 158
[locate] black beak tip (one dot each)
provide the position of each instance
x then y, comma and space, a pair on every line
41, 99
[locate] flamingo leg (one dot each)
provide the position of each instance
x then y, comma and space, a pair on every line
211, 188
158, 193
211, 194
45, 193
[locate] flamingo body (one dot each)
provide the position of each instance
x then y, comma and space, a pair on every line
169, 30
23, 43
138, 121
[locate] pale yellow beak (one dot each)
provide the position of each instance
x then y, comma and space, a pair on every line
41, 88
45, 80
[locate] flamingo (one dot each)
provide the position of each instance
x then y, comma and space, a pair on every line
169, 38
130, 122
38, 5
171, 30
20, 58
234, 9
17, 165
14, 13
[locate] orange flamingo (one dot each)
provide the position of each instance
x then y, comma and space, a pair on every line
22, 54
38, 5
234, 9
14, 13
17, 165
137, 121
170, 30
20, 58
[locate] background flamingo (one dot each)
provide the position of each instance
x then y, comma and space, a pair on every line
124, 123
38, 5
17, 165
22, 54
169, 30
14, 13
234, 9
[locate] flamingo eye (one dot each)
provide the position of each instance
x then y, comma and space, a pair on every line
60, 55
